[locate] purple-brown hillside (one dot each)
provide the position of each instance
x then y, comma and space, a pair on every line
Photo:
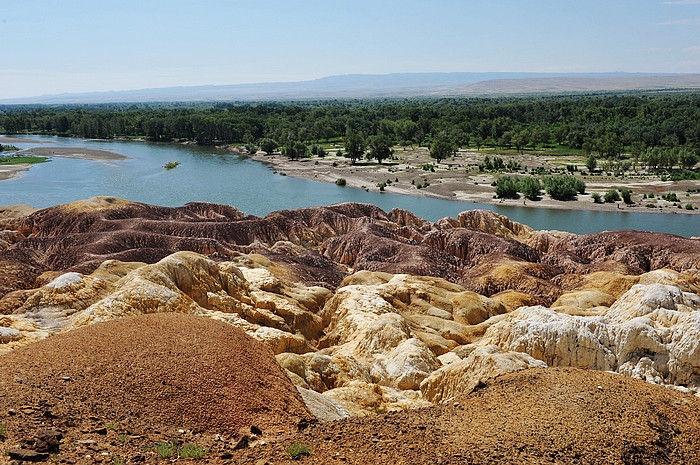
480, 250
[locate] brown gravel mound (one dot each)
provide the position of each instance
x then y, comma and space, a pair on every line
145, 375
548, 415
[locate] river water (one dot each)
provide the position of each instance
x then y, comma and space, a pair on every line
213, 175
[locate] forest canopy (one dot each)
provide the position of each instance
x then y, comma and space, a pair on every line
606, 124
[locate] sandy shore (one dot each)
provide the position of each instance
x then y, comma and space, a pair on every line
13, 171
74, 152
18, 140
458, 178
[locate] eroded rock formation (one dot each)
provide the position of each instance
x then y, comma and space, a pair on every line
374, 311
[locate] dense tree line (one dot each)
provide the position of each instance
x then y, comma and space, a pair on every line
642, 125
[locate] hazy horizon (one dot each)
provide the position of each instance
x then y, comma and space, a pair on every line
78, 46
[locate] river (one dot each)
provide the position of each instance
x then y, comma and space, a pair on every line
214, 175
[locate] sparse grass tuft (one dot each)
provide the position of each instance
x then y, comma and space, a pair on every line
192, 451
298, 450
165, 449
3, 430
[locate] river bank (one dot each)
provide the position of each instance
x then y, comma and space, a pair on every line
413, 172
15, 171
81, 153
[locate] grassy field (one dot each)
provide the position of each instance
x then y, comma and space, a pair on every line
18, 160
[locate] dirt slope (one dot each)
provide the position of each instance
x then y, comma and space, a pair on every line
549, 415
146, 376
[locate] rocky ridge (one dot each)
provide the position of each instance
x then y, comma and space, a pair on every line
375, 311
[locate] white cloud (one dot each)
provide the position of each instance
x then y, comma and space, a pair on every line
693, 49
683, 22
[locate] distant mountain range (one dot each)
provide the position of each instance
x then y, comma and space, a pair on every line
386, 85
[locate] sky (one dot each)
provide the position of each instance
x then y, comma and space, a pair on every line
66, 46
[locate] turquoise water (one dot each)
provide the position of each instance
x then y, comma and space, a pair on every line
212, 175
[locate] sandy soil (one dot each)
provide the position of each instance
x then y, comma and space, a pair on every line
114, 390
74, 152
458, 178
16, 140
13, 171
537, 416
15, 211
170, 382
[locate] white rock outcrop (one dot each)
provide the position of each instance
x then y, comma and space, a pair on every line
482, 364
651, 332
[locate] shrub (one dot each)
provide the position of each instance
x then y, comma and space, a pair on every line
268, 145
171, 164
8, 148
672, 197
507, 187
612, 196
626, 195
318, 150
298, 450
563, 187
688, 206
591, 163
530, 187
340, 182
596, 198
382, 186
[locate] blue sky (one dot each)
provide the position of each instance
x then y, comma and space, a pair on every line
51, 46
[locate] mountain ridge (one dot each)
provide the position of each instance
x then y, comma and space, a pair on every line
395, 85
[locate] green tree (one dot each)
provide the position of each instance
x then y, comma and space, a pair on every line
563, 187
530, 186
687, 158
611, 196
521, 139
591, 163
251, 148
318, 150
507, 187
441, 149
354, 144
295, 150
626, 195
268, 145
380, 147
407, 131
